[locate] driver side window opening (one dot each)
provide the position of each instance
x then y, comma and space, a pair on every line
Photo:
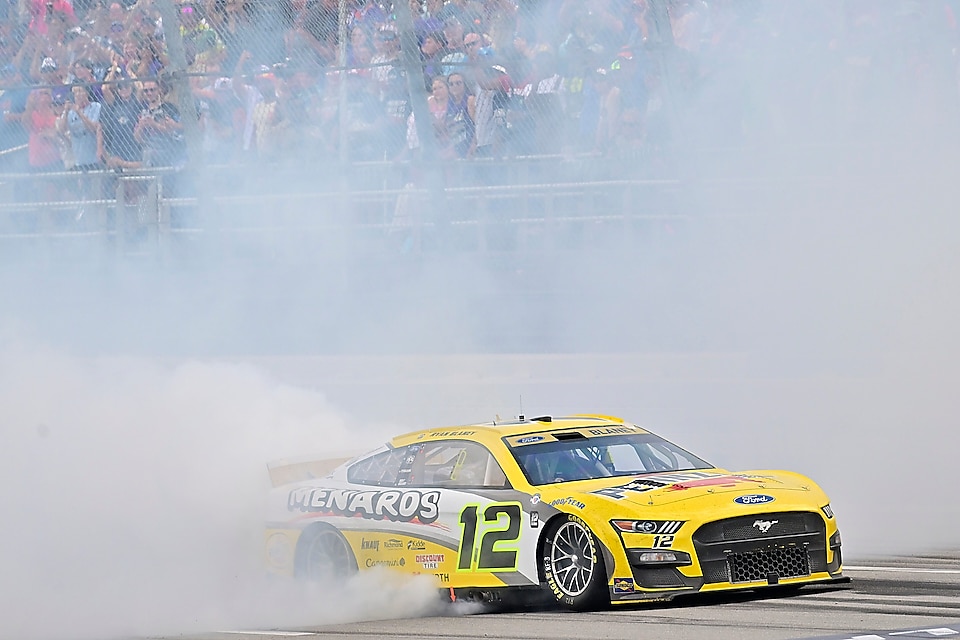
382, 469
448, 463
457, 463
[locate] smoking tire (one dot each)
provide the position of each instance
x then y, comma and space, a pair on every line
573, 566
323, 554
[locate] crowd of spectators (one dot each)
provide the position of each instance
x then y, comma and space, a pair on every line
84, 85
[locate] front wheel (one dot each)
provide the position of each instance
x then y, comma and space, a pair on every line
573, 565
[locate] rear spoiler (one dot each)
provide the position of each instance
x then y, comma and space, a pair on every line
288, 471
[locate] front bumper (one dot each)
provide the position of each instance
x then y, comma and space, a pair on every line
735, 555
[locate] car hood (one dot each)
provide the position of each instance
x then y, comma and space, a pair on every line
752, 487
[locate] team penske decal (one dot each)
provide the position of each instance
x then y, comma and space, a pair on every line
396, 506
676, 482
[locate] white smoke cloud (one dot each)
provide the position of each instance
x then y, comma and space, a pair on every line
133, 498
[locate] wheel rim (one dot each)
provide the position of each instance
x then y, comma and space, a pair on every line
572, 558
327, 556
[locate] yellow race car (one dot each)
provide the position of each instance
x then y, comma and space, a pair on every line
587, 508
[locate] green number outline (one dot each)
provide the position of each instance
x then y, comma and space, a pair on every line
493, 539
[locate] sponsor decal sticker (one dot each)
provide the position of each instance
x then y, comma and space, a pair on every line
530, 439
623, 585
573, 502
393, 543
416, 545
429, 560
395, 562
369, 545
718, 481
754, 498
393, 505
610, 431
676, 482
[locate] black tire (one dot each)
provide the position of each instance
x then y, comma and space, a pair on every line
324, 555
572, 564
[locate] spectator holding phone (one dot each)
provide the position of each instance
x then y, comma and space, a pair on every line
159, 129
80, 124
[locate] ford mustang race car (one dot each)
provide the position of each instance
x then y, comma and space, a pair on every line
588, 509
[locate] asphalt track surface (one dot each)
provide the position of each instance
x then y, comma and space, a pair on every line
887, 599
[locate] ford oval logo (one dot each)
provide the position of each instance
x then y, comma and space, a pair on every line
754, 498
529, 439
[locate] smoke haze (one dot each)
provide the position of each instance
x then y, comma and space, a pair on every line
798, 310
133, 499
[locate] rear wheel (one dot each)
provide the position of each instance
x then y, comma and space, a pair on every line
323, 554
573, 565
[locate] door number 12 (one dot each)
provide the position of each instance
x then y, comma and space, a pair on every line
491, 556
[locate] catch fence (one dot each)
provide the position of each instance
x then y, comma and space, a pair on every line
468, 124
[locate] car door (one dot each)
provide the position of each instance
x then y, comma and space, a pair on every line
485, 516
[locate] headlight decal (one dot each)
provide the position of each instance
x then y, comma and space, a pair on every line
648, 526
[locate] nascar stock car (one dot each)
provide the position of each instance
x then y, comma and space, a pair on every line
588, 509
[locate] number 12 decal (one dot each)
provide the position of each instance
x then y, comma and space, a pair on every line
662, 542
494, 534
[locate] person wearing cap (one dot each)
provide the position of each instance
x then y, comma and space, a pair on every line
425, 21
456, 54
118, 148
200, 40
47, 73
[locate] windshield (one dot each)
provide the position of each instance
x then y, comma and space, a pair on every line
575, 457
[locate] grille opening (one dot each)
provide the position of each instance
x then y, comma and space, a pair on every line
764, 564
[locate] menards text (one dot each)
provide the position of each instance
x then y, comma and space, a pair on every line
402, 506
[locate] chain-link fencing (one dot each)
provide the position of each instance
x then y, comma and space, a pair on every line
460, 114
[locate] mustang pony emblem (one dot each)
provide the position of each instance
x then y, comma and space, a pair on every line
764, 525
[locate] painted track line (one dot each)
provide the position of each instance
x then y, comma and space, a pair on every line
900, 569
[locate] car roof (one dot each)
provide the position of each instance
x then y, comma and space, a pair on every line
503, 429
